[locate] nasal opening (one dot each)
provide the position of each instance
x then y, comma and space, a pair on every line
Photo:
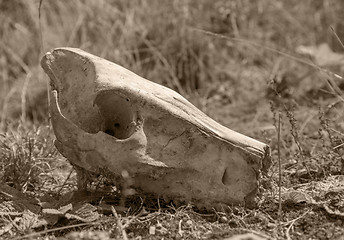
119, 117
226, 177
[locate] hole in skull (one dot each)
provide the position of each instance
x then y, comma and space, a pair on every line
119, 117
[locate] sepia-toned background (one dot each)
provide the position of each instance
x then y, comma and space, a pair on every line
241, 62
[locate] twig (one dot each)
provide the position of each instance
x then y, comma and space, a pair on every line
119, 223
159, 205
204, 214
56, 229
70, 173
149, 217
13, 222
335, 89
336, 35
10, 214
336, 131
180, 231
338, 146
279, 170
292, 223
140, 214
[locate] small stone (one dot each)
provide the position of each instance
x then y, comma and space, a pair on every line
152, 230
223, 219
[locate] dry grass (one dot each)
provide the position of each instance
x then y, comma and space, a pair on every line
238, 80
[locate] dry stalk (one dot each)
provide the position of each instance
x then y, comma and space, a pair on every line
336, 35
292, 224
42, 49
64, 183
279, 170
270, 49
119, 223
36, 234
23, 97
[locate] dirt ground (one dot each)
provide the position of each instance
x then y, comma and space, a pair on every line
259, 68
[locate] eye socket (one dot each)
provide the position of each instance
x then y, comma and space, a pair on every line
117, 113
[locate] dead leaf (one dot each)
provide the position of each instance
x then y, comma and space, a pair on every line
18, 206
28, 220
18, 200
335, 213
51, 216
297, 197
66, 208
82, 212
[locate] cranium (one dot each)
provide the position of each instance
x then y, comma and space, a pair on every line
106, 117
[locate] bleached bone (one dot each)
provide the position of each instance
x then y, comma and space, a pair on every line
107, 118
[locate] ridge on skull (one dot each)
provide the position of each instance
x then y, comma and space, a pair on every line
107, 118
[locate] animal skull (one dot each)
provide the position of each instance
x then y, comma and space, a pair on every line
107, 118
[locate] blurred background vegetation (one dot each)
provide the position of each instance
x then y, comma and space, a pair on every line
156, 39
233, 80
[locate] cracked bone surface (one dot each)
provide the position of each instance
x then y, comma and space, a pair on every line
106, 118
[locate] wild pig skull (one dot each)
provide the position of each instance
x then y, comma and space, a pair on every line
107, 118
